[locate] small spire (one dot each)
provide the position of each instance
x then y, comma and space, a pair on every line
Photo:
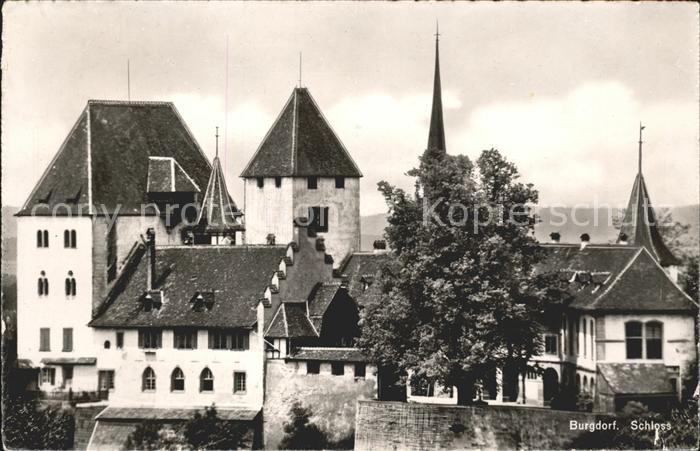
436, 136
217, 142
641, 127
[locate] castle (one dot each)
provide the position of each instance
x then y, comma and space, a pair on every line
161, 310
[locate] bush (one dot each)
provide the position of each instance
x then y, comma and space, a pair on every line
29, 425
300, 433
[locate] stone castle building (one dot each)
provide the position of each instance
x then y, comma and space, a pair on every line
159, 311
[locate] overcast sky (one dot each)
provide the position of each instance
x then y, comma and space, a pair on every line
558, 88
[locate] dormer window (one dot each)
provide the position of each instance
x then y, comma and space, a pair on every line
151, 300
312, 182
202, 300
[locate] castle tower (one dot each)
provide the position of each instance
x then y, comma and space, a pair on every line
302, 169
639, 227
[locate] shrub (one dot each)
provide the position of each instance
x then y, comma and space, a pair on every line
300, 433
29, 425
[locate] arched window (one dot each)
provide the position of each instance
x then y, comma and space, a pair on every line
585, 383
592, 334
633, 339
177, 380
66, 238
39, 239
70, 284
73, 239
107, 344
206, 380
46, 238
148, 380
585, 338
42, 284
653, 335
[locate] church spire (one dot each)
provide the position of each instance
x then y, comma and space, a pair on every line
640, 227
436, 136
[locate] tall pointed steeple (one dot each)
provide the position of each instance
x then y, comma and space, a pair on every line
639, 227
219, 213
436, 136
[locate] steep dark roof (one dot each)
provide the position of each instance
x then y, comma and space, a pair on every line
641, 227
291, 321
436, 135
614, 278
635, 378
363, 267
329, 354
219, 211
105, 158
165, 175
237, 276
301, 143
319, 300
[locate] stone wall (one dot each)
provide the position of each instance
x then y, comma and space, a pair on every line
85, 423
395, 425
331, 398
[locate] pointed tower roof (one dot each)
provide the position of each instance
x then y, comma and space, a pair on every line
639, 225
436, 136
301, 143
219, 211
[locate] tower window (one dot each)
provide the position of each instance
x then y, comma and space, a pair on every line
312, 182
70, 284
337, 368
318, 219
313, 367
278, 182
42, 238
120, 340
69, 239
340, 182
261, 182
653, 336
43, 284
148, 380
206, 380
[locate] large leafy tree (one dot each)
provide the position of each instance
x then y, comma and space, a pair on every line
465, 298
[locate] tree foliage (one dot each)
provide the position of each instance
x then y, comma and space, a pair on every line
465, 299
300, 433
29, 425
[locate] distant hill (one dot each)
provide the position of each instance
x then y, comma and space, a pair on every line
597, 223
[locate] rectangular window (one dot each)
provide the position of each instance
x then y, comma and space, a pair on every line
185, 339
585, 341
340, 182
550, 344
120, 340
654, 340
261, 182
578, 338
278, 182
48, 376
239, 382
633, 340
571, 337
313, 367
312, 182
318, 219
68, 340
105, 379
44, 339
150, 339
360, 369
237, 340
337, 368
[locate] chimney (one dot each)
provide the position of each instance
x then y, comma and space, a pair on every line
585, 239
555, 237
151, 248
623, 239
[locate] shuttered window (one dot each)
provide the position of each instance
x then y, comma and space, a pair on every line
44, 339
68, 339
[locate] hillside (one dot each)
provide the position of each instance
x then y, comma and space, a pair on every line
595, 222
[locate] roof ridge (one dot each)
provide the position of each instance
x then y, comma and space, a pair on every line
130, 102
272, 127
